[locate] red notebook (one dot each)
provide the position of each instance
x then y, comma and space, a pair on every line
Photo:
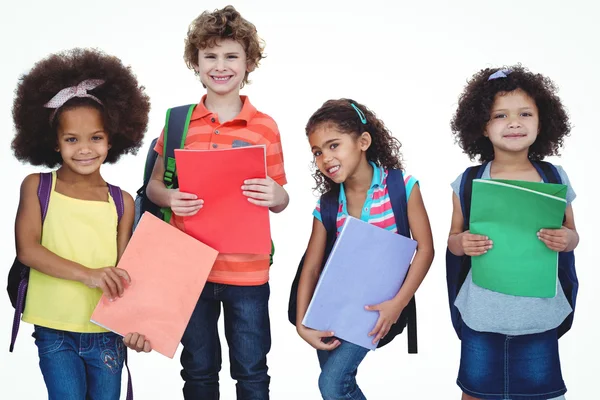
168, 271
227, 222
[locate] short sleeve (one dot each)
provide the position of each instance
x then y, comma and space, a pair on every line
275, 168
409, 182
317, 211
571, 195
456, 184
160, 143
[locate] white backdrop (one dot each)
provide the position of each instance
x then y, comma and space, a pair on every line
408, 61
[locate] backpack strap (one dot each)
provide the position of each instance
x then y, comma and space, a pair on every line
466, 190
329, 212
117, 195
175, 132
397, 192
547, 171
43, 193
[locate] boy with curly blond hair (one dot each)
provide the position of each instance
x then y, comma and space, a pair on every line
223, 48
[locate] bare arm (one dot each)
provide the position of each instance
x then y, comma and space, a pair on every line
389, 311
461, 243
421, 232
563, 239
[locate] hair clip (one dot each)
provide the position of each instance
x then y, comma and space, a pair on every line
501, 73
363, 119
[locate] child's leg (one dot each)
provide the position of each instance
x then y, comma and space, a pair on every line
62, 368
104, 354
201, 355
338, 372
467, 397
248, 332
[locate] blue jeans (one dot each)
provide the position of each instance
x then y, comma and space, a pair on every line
80, 366
248, 334
338, 371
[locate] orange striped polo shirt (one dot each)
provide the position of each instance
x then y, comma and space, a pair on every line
250, 127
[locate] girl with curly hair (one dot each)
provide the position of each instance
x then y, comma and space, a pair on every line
510, 119
75, 110
354, 152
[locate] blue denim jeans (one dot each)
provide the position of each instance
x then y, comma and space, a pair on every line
248, 334
80, 366
338, 371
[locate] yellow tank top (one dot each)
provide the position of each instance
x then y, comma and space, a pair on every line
82, 231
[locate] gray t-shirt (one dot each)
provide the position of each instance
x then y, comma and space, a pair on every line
486, 311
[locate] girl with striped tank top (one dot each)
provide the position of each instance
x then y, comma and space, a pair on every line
354, 152
75, 110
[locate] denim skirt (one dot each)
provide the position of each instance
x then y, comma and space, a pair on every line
504, 367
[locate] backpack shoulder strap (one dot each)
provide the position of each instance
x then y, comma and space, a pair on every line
547, 171
397, 191
466, 190
175, 131
117, 195
44, 190
329, 211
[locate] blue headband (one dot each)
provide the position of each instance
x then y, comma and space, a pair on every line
501, 73
360, 114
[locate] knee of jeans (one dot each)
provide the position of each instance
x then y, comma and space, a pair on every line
333, 387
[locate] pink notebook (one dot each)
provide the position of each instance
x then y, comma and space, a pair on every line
168, 271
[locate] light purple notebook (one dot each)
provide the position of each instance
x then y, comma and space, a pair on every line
367, 266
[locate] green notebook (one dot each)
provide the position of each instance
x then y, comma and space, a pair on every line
511, 213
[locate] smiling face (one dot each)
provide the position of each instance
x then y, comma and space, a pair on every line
338, 154
514, 122
222, 68
82, 142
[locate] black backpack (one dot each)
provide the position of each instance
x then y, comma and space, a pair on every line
329, 209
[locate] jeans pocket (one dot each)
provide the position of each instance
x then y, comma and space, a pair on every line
48, 340
112, 351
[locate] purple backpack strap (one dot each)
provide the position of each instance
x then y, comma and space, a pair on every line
43, 192
117, 195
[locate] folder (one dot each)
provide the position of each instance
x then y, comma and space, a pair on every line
168, 271
227, 222
367, 266
511, 213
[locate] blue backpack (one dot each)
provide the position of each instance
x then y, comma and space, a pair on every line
176, 128
329, 210
457, 267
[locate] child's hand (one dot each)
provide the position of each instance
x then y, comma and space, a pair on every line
475, 245
555, 239
389, 312
315, 338
109, 279
137, 342
184, 204
264, 192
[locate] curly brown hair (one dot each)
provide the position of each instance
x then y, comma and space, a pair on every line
384, 150
227, 23
475, 104
125, 104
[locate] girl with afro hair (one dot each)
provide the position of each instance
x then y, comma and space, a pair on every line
510, 119
74, 111
354, 154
